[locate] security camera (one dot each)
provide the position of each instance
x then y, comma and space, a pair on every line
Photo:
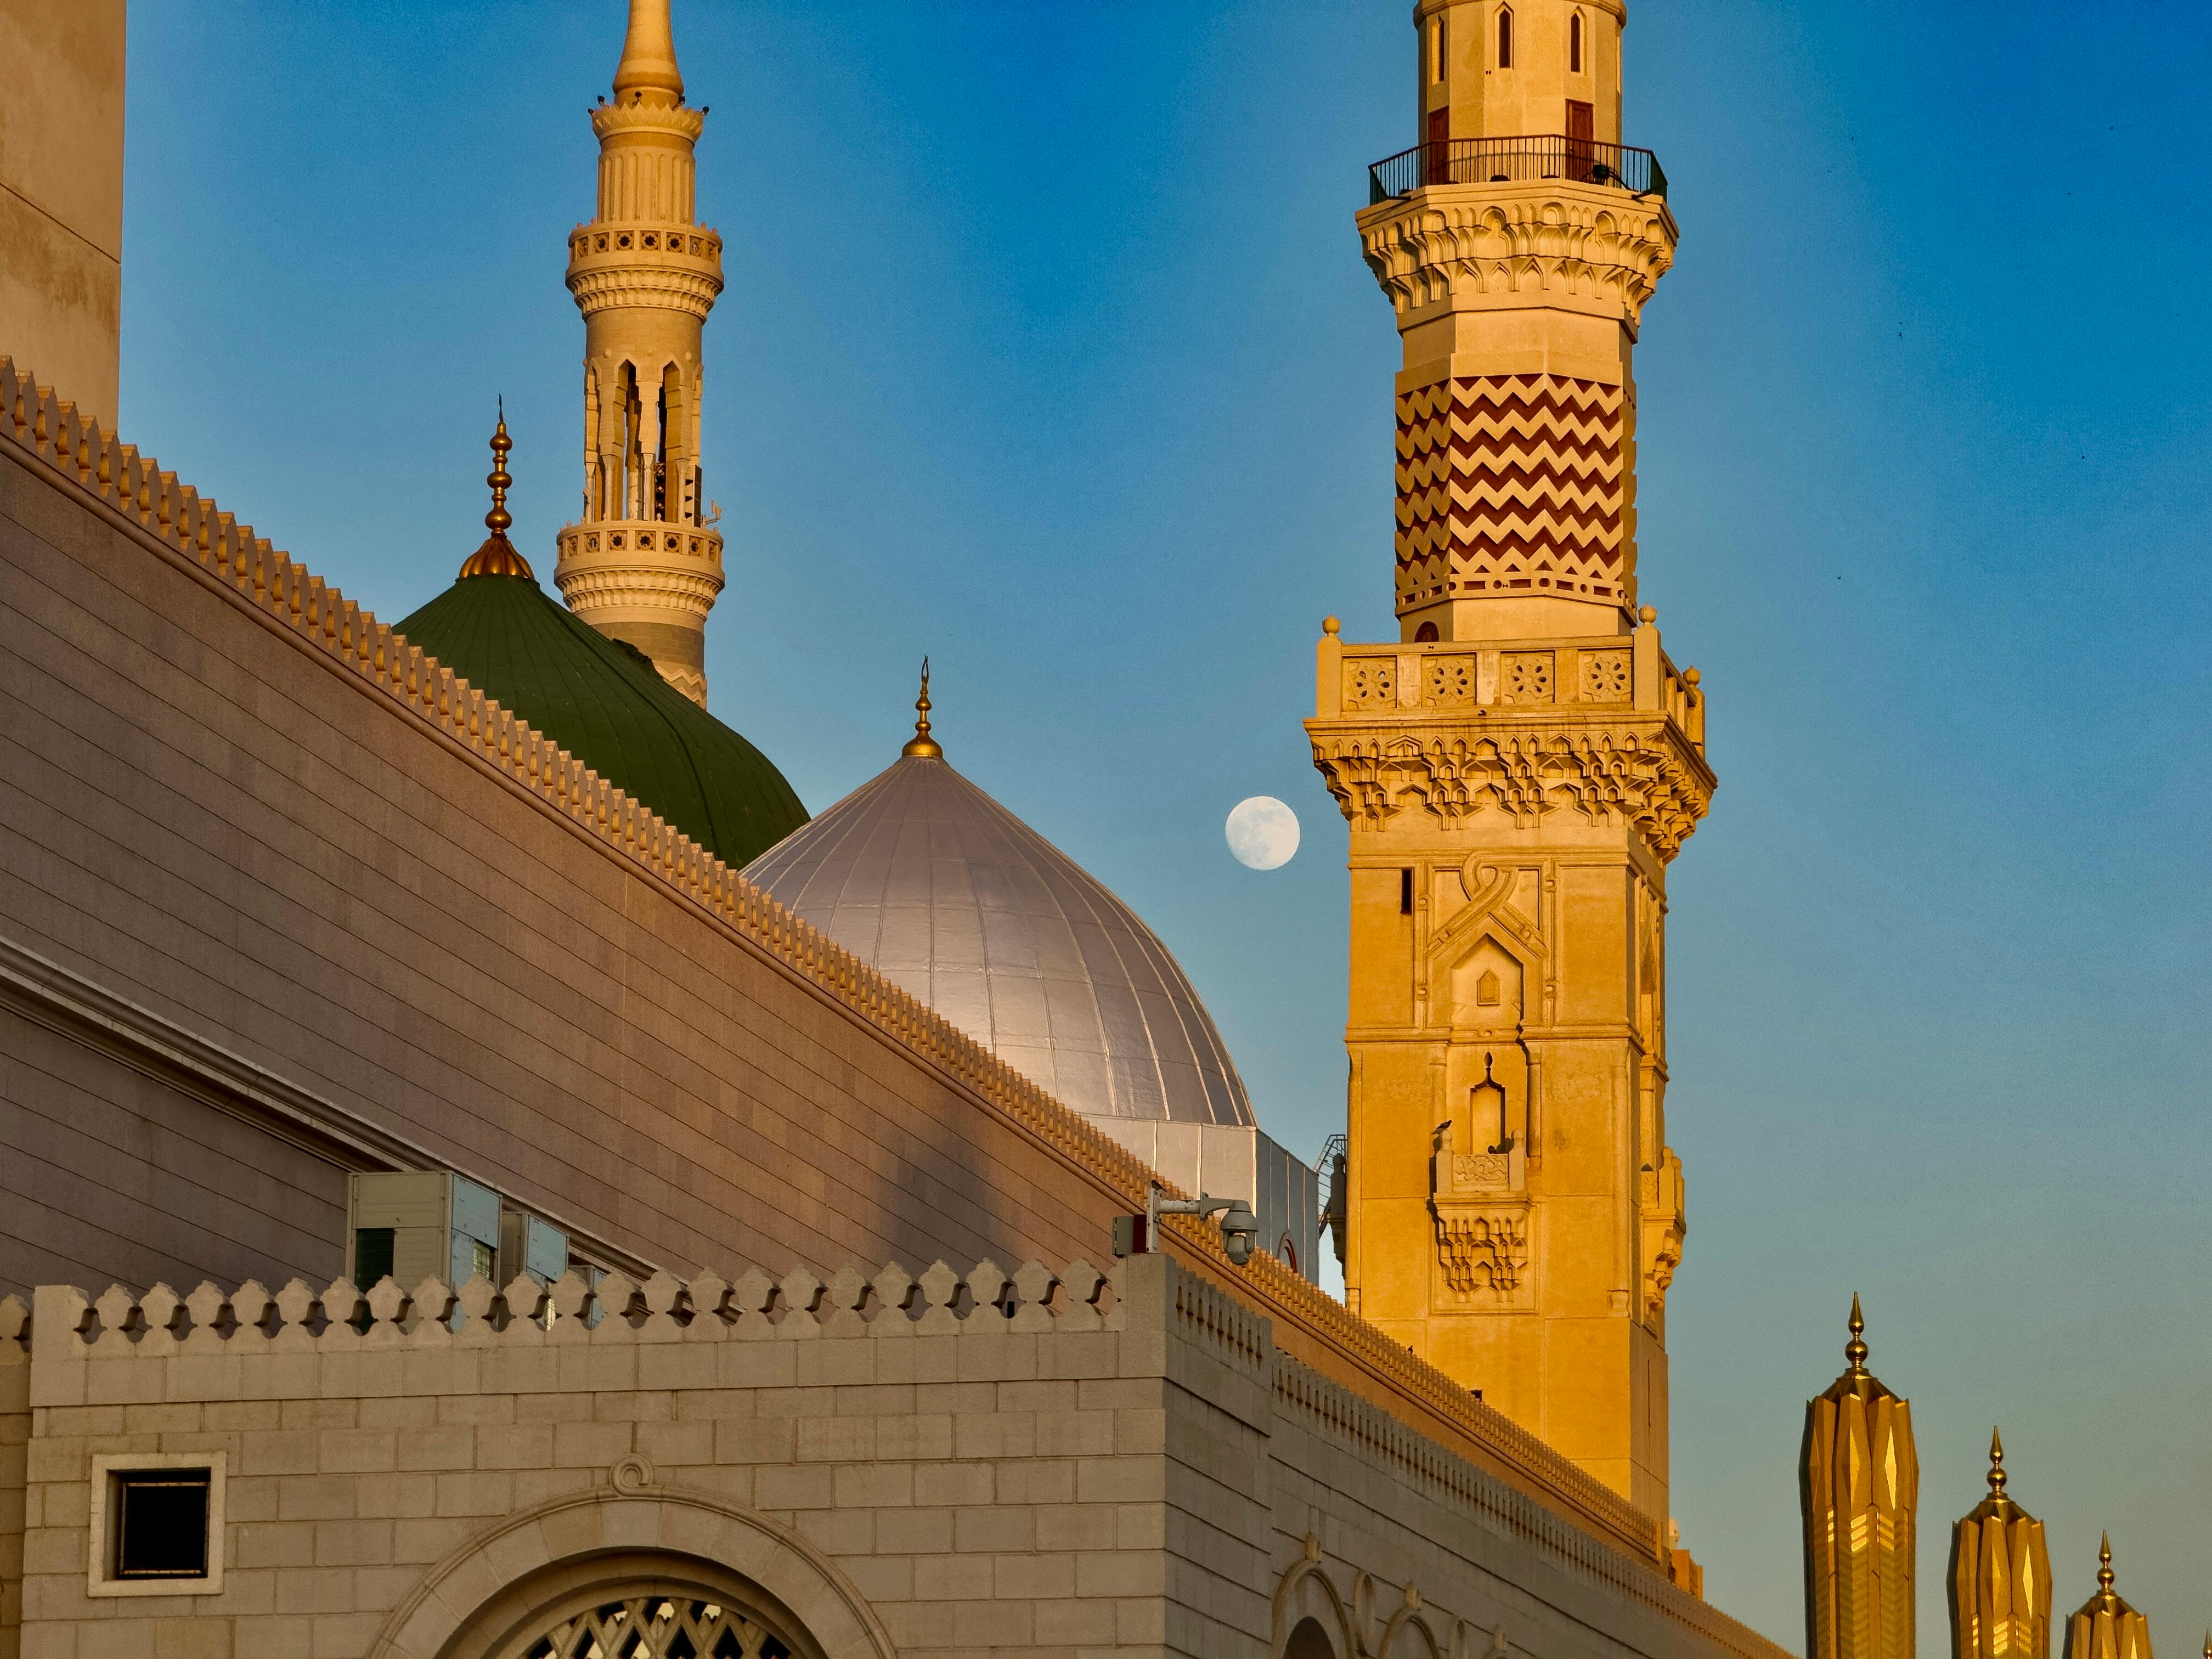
1240, 1231
1240, 1228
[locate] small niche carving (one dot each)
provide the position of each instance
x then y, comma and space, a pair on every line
1486, 990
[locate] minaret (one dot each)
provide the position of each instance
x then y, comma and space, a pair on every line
644, 563
1520, 765
2105, 1627
2000, 1577
1859, 1479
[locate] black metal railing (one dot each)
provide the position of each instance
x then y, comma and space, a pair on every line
1516, 160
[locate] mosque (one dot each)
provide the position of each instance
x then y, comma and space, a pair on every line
700, 1228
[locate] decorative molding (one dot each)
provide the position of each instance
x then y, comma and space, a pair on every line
173, 521
1465, 246
1610, 770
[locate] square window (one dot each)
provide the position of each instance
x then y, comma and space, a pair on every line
160, 1519
157, 1524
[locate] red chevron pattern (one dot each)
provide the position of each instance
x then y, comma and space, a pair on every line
1513, 483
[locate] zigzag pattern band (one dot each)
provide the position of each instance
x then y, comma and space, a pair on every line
1512, 482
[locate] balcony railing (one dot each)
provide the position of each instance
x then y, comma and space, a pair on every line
1516, 160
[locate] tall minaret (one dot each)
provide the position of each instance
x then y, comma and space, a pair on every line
1859, 1479
644, 563
2106, 1627
1520, 765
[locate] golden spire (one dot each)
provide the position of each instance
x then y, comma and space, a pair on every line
648, 59
2000, 1577
498, 557
1860, 1483
2106, 1627
922, 745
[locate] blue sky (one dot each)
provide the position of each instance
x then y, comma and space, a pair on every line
1046, 349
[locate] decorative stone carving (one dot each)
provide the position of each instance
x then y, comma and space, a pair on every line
1371, 683
1483, 1251
1448, 681
1634, 773
1524, 676
1581, 244
1605, 677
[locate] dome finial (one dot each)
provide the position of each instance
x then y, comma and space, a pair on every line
498, 557
1855, 1350
2104, 1574
922, 744
1997, 1465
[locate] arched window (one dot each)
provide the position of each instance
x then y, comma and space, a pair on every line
1309, 1641
1575, 43
1436, 48
1426, 634
1505, 37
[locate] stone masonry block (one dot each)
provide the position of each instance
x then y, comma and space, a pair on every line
994, 1529
912, 1532
951, 1578
588, 1445
393, 1495
442, 1448
845, 1532
514, 1445
913, 1439
1027, 1576
353, 1543
314, 1497
835, 1439
872, 1486
356, 1450
811, 1487
1039, 1480
952, 1484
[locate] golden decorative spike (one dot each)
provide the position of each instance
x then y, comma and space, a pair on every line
2000, 1577
1860, 1479
922, 744
498, 557
2105, 1627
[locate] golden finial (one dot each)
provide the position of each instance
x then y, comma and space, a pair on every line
498, 557
2104, 1574
1855, 1350
648, 58
1997, 1465
922, 744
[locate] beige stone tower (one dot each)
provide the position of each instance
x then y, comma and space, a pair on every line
1521, 763
644, 563
61, 196
2105, 1627
1860, 1480
2000, 1577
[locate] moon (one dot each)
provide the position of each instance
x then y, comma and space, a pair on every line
1263, 833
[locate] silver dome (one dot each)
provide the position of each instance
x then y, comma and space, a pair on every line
955, 899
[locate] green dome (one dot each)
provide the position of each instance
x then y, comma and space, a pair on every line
603, 702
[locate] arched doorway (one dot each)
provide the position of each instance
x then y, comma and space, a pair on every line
1309, 1641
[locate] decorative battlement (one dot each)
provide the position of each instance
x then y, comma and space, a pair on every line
645, 264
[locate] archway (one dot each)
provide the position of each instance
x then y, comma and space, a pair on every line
657, 1568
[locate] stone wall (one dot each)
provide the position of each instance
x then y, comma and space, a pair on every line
1038, 1464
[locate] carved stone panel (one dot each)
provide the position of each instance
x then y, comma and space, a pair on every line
1524, 676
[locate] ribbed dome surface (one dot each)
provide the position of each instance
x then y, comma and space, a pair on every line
956, 899
603, 704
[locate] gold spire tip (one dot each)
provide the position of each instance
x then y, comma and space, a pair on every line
1996, 1464
922, 745
498, 555
1855, 1350
648, 59
2104, 1574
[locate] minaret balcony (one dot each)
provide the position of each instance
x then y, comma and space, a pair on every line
1522, 159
